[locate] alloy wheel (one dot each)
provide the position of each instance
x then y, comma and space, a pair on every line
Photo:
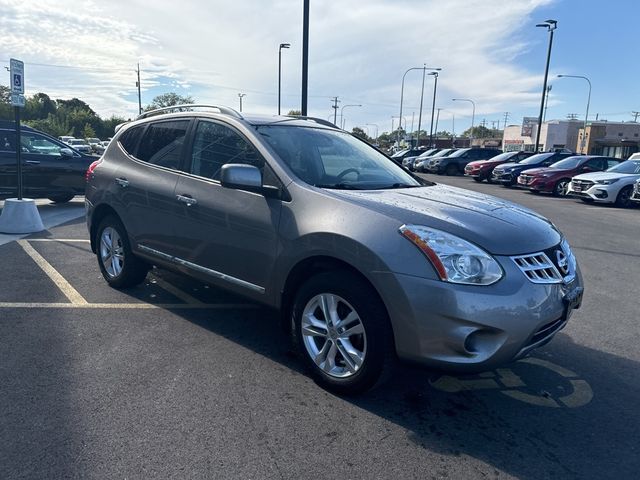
333, 335
111, 252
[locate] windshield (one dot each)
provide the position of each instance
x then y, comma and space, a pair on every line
428, 153
567, 163
333, 159
630, 166
459, 153
503, 157
399, 154
535, 159
444, 153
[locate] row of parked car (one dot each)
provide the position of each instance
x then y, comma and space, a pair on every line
592, 178
89, 146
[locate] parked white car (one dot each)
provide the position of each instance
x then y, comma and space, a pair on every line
611, 186
80, 145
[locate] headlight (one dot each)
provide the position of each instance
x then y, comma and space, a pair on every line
607, 181
455, 259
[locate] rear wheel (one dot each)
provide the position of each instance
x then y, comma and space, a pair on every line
62, 198
119, 266
343, 332
561, 188
624, 196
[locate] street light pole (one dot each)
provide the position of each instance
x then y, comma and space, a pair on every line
550, 25
342, 111
473, 113
586, 116
433, 107
424, 71
424, 67
282, 45
374, 125
240, 95
305, 57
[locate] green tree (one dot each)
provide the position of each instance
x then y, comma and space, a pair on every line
109, 126
295, 113
168, 100
477, 132
88, 131
360, 133
39, 106
6, 112
53, 125
443, 133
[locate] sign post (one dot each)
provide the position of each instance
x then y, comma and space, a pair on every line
17, 100
19, 215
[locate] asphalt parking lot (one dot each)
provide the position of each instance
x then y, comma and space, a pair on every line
174, 379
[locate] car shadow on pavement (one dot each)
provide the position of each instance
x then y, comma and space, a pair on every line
569, 411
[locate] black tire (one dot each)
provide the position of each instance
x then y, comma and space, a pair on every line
586, 200
534, 192
379, 356
477, 179
561, 186
451, 170
623, 199
132, 270
62, 198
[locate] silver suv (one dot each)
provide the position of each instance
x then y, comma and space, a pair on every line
366, 262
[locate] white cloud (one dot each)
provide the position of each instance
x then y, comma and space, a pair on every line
213, 50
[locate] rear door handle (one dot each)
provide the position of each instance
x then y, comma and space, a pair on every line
123, 182
186, 199
32, 162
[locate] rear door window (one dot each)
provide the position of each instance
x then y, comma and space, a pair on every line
163, 142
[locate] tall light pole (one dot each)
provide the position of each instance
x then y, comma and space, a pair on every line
240, 95
424, 67
435, 129
473, 113
433, 106
282, 45
586, 116
305, 57
342, 111
139, 94
550, 25
374, 125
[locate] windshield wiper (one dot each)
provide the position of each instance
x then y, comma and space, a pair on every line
398, 185
338, 186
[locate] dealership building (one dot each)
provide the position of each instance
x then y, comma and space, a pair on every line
612, 139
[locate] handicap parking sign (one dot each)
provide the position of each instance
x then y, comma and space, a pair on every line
17, 76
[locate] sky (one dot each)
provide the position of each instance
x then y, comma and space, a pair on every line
489, 50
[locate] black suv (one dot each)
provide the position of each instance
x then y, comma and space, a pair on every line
455, 163
50, 168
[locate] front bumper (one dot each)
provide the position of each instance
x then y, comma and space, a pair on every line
504, 178
597, 193
635, 197
475, 173
536, 184
474, 328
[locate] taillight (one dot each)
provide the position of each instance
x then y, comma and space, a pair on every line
92, 167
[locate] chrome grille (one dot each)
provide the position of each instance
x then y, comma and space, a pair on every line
538, 268
581, 185
525, 178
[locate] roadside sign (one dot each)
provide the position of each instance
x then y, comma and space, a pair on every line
16, 72
17, 100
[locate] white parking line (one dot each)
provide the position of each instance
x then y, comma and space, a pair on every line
134, 306
65, 287
63, 240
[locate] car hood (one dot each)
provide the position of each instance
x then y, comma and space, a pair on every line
507, 165
498, 226
550, 171
593, 176
477, 163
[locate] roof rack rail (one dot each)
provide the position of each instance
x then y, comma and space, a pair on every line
187, 107
321, 121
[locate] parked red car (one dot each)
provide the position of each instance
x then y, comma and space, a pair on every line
556, 178
481, 169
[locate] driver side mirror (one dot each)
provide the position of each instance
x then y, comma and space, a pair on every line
586, 169
246, 177
66, 152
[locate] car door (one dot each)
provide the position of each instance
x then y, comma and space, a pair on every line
8, 166
225, 235
50, 168
149, 160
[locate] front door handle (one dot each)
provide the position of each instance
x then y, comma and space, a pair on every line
32, 162
186, 199
123, 182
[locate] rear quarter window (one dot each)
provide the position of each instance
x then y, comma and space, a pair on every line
129, 139
163, 142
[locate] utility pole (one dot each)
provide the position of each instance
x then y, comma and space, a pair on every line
506, 118
139, 96
435, 130
424, 72
240, 95
635, 116
305, 57
335, 110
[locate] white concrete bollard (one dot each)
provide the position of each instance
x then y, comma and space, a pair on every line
20, 216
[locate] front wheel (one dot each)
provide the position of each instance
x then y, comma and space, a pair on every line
477, 179
561, 188
343, 332
624, 197
119, 266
